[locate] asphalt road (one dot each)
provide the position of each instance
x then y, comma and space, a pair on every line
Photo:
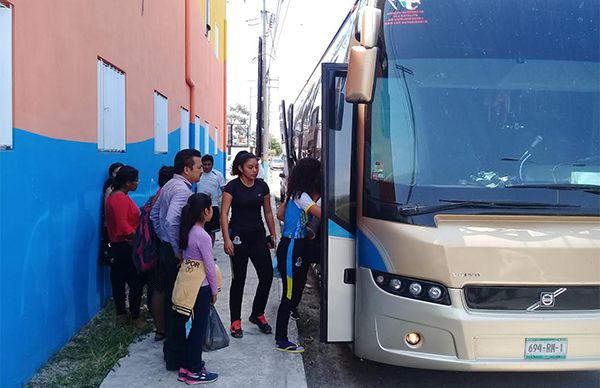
327, 365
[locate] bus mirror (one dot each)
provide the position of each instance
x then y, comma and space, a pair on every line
361, 74
370, 18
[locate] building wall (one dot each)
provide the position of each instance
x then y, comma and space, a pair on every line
50, 182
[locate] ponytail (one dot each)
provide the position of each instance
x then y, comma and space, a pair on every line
190, 214
187, 222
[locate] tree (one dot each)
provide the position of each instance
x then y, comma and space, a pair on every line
274, 146
238, 121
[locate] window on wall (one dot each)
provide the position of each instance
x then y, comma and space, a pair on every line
6, 102
206, 138
161, 123
184, 130
216, 35
111, 108
216, 149
207, 15
197, 133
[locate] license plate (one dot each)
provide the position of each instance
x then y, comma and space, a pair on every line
545, 348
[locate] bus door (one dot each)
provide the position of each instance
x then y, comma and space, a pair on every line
338, 263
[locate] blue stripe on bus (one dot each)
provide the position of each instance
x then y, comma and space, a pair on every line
368, 254
337, 231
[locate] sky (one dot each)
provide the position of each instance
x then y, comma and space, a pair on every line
304, 30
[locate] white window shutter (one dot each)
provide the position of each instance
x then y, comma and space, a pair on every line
161, 124
111, 108
216, 141
6, 102
184, 141
197, 133
206, 138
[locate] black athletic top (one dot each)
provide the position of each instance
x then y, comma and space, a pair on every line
246, 205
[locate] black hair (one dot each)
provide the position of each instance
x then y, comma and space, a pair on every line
240, 159
113, 167
185, 158
190, 214
208, 158
165, 174
125, 175
305, 177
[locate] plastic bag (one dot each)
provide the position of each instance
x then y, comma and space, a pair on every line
216, 335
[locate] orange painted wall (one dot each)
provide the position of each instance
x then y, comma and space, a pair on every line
56, 46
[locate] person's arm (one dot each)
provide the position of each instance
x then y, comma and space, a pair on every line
281, 211
315, 211
225, 205
270, 220
205, 248
173, 219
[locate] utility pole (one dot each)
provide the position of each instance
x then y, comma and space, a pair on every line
264, 91
259, 101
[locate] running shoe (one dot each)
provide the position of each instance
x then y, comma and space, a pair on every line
203, 377
236, 329
262, 324
289, 347
182, 375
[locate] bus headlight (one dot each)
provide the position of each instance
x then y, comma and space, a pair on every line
402, 286
415, 289
396, 284
435, 292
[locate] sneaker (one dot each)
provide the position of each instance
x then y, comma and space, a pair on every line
236, 329
289, 347
182, 375
294, 315
203, 377
262, 324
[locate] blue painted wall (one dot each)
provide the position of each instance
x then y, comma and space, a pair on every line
50, 283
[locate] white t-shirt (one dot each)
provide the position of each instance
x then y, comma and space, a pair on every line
211, 184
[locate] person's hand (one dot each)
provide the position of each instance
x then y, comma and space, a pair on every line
228, 245
213, 299
271, 242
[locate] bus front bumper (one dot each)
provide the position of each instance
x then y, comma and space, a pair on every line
456, 338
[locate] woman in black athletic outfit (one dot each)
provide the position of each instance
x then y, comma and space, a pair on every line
244, 238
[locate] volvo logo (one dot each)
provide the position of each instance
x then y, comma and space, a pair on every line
546, 299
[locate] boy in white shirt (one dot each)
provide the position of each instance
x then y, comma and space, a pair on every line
211, 183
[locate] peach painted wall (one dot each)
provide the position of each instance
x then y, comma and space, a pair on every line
56, 46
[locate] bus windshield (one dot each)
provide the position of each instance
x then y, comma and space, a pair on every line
476, 96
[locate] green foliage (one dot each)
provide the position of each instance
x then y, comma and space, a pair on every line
90, 355
274, 147
238, 122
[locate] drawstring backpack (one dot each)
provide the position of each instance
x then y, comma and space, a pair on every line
145, 248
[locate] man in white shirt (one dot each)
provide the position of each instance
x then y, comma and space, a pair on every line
211, 183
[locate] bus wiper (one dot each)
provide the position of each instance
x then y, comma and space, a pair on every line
594, 189
413, 210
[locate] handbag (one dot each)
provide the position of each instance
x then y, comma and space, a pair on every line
216, 335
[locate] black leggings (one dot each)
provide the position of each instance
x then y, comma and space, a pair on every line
252, 246
122, 272
293, 267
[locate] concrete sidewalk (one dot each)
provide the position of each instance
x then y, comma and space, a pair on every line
251, 361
